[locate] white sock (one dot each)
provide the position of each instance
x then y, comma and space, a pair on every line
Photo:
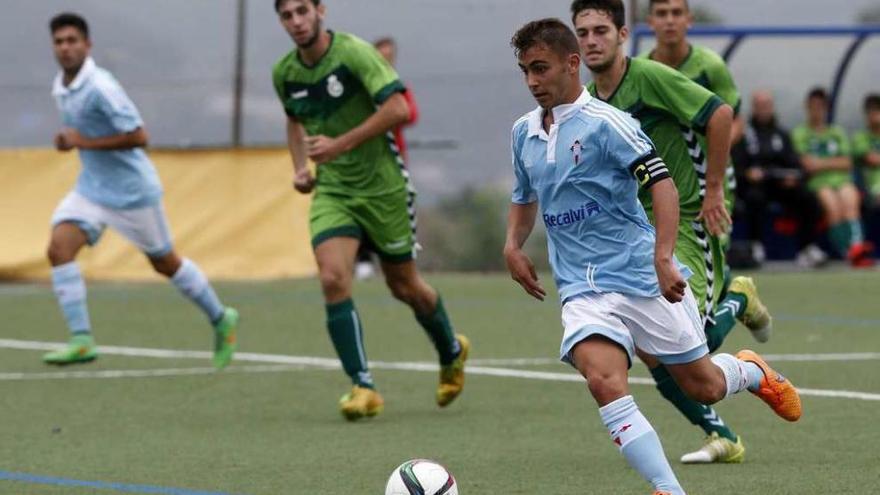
739, 375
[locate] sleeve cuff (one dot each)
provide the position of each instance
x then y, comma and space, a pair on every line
702, 119
383, 94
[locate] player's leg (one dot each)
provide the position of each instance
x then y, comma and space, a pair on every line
76, 222
673, 334
335, 257
693, 249
838, 229
859, 253
389, 225
408, 286
147, 228
599, 345
604, 364
189, 279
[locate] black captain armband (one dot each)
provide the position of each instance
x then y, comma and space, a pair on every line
649, 170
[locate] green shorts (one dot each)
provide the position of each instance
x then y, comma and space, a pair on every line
386, 224
831, 179
872, 181
703, 254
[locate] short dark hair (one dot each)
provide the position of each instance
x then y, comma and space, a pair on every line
385, 40
614, 9
872, 102
551, 32
818, 93
279, 3
65, 19
651, 3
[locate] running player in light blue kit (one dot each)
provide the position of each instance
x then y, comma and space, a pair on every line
581, 161
117, 187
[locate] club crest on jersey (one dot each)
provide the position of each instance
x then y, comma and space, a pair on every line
576, 150
334, 86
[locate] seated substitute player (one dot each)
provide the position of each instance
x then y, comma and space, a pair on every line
117, 187
671, 109
866, 150
342, 100
825, 156
581, 162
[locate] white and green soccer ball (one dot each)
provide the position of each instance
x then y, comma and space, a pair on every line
421, 477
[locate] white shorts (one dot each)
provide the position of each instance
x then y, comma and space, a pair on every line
146, 228
671, 332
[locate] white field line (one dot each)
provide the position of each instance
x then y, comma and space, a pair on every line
328, 363
838, 356
150, 373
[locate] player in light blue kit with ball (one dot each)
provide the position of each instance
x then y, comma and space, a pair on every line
581, 162
117, 187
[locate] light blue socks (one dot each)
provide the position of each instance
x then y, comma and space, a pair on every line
639, 444
190, 280
70, 291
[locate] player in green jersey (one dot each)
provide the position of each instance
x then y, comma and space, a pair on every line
670, 20
866, 149
825, 156
669, 107
342, 100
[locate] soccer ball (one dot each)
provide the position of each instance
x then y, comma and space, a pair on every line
421, 477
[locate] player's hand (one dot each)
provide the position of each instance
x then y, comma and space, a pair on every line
67, 139
322, 149
811, 164
303, 181
672, 284
522, 270
713, 214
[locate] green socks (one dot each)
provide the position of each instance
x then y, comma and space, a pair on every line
439, 329
698, 414
841, 235
347, 335
732, 306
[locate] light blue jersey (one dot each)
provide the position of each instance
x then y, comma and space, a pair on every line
585, 174
95, 104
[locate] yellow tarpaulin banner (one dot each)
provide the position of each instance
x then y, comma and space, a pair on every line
234, 212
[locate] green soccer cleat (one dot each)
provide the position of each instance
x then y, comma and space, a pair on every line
717, 449
80, 349
224, 338
756, 317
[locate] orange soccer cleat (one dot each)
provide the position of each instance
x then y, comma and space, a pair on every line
775, 389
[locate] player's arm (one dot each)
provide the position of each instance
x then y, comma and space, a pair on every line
69, 138
653, 175
520, 222
303, 181
723, 85
705, 112
718, 130
391, 113
113, 104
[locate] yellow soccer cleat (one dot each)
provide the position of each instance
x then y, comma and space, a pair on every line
452, 375
361, 402
717, 449
775, 389
756, 317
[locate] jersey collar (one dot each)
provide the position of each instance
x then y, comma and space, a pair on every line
85, 72
561, 113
